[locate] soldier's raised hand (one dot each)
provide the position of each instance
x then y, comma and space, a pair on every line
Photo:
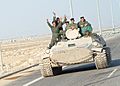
47, 20
54, 13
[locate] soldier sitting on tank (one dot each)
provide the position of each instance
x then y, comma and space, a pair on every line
72, 25
71, 29
55, 31
85, 27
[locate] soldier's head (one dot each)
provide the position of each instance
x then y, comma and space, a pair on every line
54, 24
58, 20
72, 20
67, 22
82, 19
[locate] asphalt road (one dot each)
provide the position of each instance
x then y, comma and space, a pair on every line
79, 75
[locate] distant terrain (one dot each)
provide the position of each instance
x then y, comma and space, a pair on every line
19, 53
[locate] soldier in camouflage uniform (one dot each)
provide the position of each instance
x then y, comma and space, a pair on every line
55, 31
84, 26
72, 25
57, 19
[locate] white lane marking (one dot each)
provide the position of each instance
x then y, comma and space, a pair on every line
112, 73
29, 83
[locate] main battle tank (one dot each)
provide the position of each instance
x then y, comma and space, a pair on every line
75, 50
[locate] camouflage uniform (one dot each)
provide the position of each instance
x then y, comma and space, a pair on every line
72, 25
61, 32
55, 19
84, 26
55, 33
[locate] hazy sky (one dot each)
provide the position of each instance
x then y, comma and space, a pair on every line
20, 18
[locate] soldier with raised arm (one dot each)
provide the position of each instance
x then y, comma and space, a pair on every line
57, 19
55, 31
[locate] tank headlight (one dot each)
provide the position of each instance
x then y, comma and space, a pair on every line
47, 51
95, 43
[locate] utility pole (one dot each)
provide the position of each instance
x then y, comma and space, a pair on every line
71, 8
112, 17
99, 20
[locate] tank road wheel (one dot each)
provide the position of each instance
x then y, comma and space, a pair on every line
101, 61
108, 55
46, 69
